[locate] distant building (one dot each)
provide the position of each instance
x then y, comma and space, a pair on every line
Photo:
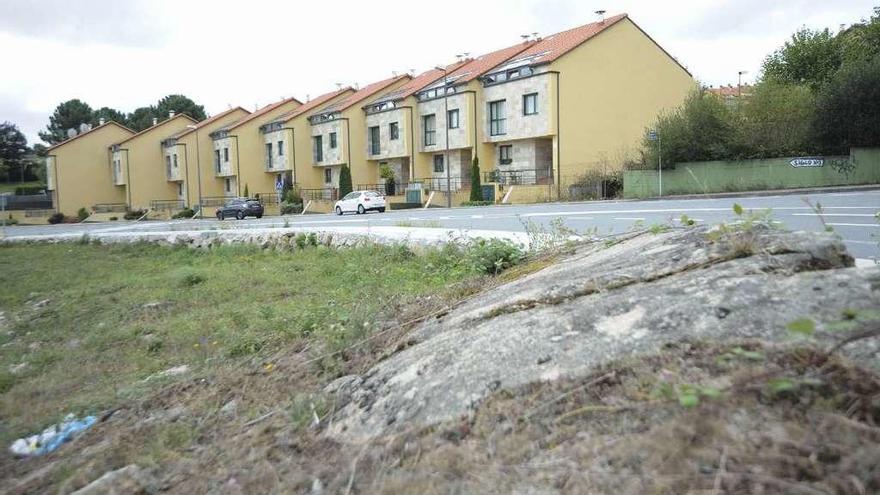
730, 94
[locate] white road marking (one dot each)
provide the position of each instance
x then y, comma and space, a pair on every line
476, 216
630, 218
832, 214
854, 224
867, 243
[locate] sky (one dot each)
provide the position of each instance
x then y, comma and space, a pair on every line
129, 53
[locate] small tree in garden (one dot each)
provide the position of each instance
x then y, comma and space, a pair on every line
476, 183
344, 181
246, 191
387, 173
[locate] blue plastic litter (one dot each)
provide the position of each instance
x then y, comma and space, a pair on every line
52, 437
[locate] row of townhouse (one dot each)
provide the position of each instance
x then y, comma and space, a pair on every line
533, 113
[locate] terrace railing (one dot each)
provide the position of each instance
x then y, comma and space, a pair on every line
166, 204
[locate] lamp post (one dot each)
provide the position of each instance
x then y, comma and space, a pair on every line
446, 126
198, 169
739, 82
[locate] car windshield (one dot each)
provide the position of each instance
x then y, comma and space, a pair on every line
372, 193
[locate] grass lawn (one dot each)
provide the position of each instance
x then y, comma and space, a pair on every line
85, 326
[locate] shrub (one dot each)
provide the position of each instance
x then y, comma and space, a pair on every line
29, 190
113, 219
476, 184
188, 278
313, 239
291, 195
184, 213
344, 181
56, 218
477, 203
246, 191
11, 221
291, 208
493, 256
82, 214
387, 173
300, 240
848, 109
133, 214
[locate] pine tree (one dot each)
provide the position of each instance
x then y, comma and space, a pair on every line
344, 181
476, 184
246, 191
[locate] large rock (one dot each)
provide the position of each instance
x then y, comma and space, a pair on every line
605, 303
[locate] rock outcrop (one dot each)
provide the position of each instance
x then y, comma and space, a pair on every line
602, 304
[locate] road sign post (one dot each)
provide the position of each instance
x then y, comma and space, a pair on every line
655, 136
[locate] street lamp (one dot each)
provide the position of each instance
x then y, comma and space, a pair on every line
446, 146
198, 169
739, 82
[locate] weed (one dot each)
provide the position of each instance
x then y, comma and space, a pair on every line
493, 256
188, 278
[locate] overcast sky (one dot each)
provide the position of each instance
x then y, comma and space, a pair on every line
125, 54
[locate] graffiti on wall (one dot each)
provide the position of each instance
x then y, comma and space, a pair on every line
843, 166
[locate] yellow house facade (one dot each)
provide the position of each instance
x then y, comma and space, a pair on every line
79, 171
238, 158
148, 177
287, 149
194, 146
338, 135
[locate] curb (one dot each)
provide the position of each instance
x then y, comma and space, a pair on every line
767, 192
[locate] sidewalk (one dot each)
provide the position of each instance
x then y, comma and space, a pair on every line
767, 192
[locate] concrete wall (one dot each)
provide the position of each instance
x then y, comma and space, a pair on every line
82, 168
862, 166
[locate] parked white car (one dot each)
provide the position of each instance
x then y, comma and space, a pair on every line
360, 202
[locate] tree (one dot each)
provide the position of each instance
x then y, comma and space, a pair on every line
848, 109
13, 149
67, 115
109, 114
142, 118
861, 42
775, 121
246, 193
476, 184
387, 173
810, 57
179, 104
344, 181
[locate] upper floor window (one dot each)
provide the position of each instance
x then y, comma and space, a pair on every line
393, 130
280, 148
505, 154
175, 160
438, 164
452, 118
225, 154
268, 155
375, 146
530, 104
318, 145
497, 117
217, 160
429, 123
168, 165
332, 140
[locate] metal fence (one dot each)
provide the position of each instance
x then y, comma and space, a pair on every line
322, 194
398, 188
270, 198
166, 204
29, 202
440, 183
539, 176
110, 207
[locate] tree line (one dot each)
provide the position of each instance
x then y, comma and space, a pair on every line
817, 94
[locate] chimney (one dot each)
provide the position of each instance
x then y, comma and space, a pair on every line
601, 15
171, 114
155, 120
101, 121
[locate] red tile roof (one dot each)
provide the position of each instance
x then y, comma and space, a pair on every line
363, 93
731, 91
62, 143
154, 127
314, 103
476, 67
556, 45
420, 81
260, 112
205, 122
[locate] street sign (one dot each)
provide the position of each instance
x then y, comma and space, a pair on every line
807, 162
652, 135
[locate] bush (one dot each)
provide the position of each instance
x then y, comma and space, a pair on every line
188, 277
477, 203
29, 190
291, 195
386, 173
291, 208
848, 109
82, 214
133, 214
184, 213
113, 219
476, 184
246, 195
493, 256
11, 221
56, 218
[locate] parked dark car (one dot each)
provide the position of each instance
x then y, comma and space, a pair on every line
240, 208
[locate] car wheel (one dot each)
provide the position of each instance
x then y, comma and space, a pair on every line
339, 211
382, 210
260, 215
361, 210
240, 215
220, 215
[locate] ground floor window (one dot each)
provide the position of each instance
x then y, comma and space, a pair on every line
328, 176
228, 184
180, 189
505, 154
438, 164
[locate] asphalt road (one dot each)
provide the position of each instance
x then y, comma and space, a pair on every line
850, 214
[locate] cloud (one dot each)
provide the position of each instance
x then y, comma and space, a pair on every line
87, 22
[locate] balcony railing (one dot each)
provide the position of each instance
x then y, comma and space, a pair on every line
397, 188
110, 207
269, 198
166, 204
209, 201
322, 194
29, 202
440, 183
519, 177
